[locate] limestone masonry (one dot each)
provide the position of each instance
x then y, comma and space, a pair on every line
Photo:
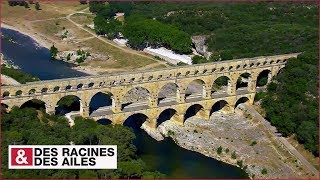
50, 92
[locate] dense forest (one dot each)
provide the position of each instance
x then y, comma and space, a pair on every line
31, 126
140, 31
238, 30
291, 102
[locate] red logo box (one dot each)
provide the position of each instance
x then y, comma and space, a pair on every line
21, 156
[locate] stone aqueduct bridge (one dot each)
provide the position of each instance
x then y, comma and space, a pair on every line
51, 91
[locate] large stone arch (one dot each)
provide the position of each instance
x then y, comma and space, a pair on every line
167, 114
195, 88
243, 81
101, 99
221, 105
263, 77
138, 96
222, 85
135, 120
104, 121
168, 93
34, 103
78, 106
4, 108
242, 100
195, 110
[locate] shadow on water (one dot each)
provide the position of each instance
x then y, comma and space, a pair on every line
175, 161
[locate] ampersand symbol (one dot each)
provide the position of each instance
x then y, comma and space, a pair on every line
20, 159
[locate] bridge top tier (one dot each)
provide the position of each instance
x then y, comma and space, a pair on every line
161, 74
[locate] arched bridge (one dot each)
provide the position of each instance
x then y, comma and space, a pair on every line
199, 89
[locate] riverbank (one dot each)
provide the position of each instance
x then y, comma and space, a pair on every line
40, 41
47, 44
237, 139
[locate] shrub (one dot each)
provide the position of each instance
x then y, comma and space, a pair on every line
233, 155
253, 143
170, 133
264, 171
219, 150
240, 163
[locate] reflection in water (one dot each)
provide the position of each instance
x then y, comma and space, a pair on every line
177, 162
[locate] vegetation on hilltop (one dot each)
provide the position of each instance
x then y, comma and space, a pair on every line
140, 31
26, 126
291, 102
238, 30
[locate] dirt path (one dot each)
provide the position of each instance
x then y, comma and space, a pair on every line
107, 41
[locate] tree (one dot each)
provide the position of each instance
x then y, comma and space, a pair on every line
85, 174
83, 2
68, 57
12, 3
142, 32
53, 51
290, 102
110, 27
233, 155
26, 5
198, 59
37, 6
219, 150
19, 125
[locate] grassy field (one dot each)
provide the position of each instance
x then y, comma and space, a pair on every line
117, 58
50, 23
52, 27
48, 10
82, 18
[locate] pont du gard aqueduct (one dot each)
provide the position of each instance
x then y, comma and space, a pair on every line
194, 89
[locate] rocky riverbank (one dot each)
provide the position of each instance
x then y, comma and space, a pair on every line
237, 139
43, 42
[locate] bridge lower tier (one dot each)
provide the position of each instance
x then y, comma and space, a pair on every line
202, 108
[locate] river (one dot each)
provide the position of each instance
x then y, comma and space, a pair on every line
164, 156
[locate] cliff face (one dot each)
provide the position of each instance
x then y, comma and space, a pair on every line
201, 48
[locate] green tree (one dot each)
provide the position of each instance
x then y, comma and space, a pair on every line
37, 6
83, 2
142, 32
68, 57
110, 27
26, 5
219, 150
85, 174
234, 155
53, 51
198, 59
